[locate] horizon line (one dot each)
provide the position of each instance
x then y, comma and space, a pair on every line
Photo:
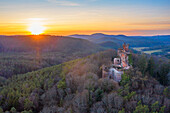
80, 34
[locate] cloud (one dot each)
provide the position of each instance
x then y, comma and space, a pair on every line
64, 2
152, 23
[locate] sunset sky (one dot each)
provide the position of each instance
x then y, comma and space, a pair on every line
66, 17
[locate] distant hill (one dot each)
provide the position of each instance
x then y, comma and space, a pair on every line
44, 43
159, 41
110, 44
21, 54
95, 36
132, 40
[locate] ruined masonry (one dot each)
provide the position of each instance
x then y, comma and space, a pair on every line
115, 70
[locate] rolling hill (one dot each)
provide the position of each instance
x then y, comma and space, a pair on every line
21, 54
44, 43
110, 44
161, 41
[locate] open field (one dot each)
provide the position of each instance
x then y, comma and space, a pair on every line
140, 48
152, 51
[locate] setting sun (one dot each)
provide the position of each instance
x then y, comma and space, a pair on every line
36, 27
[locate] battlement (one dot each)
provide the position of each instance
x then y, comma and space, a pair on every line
126, 47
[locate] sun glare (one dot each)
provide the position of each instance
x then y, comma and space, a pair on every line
36, 26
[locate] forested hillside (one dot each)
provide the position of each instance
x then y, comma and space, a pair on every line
21, 54
77, 87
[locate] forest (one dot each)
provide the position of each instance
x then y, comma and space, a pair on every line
84, 56
22, 54
77, 87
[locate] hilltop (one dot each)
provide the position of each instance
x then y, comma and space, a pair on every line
78, 86
45, 43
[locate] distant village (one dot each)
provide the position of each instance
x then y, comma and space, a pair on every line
115, 70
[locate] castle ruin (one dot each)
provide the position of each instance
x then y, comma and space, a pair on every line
115, 70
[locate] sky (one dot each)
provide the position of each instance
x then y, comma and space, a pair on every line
66, 17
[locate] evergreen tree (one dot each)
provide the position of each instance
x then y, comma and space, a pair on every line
28, 104
166, 92
122, 111
130, 59
99, 94
125, 79
163, 74
162, 109
13, 110
141, 108
1, 110
151, 65
142, 64
155, 106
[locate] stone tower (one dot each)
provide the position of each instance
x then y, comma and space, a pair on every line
123, 54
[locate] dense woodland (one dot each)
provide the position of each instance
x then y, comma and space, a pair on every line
77, 87
21, 54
